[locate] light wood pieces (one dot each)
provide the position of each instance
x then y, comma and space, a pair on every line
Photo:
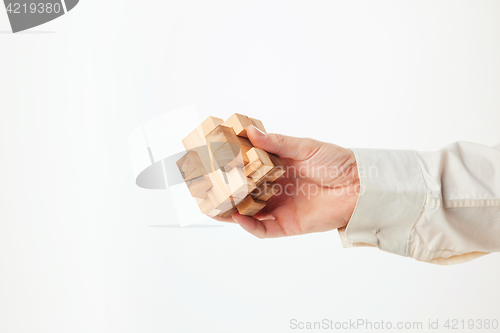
278, 168
250, 206
239, 185
230, 155
227, 213
209, 124
239, 124
224, 172
190, 165
199, 186
259, 164
265, 191
207, 207
222, 134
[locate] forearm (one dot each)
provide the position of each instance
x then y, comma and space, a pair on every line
442, 207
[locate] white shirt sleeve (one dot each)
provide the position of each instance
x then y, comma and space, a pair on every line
441, 207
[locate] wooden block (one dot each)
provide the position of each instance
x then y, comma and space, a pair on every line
204, 155
249, 206
278, 168
219, 196
250, 168
230, 155
265, 191
206, 207
209, 124
195, 143
239, 185
214, 213
193, 140
258, 159
227, 213
257, 123
244, 151
260, 175
221, 134
199, 186
222, 167
277, 162
190, 165
252, 155
275, 174
260, 164
256, 154
219, 179
239, 124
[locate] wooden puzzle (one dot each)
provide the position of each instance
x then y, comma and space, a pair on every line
224, 172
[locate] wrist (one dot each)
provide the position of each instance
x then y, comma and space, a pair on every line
352, 188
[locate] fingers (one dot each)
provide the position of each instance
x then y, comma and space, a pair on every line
259, 228
253, 226
223, 219
282, 145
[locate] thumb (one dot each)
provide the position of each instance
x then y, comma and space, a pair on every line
282, 145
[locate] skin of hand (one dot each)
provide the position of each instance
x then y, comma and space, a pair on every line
318, 192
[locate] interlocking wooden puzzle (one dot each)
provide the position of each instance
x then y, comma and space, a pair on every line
224, 172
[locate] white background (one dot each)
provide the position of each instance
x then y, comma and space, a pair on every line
80, 250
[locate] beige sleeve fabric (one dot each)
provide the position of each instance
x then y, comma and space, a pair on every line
441, 207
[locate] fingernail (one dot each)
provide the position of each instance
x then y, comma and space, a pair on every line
232, 216
262, 134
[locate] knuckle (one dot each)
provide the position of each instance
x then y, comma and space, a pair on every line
310, 144
280, 139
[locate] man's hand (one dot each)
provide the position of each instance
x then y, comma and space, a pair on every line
318, 191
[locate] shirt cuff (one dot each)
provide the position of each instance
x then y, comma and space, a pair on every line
391, 199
